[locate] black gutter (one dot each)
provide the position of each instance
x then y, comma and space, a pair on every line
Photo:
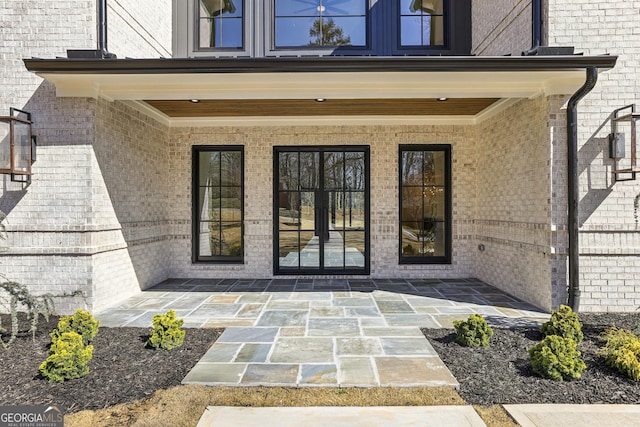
318, 64
536, 27
573, 190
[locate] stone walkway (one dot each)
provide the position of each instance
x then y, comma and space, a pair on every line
322, 332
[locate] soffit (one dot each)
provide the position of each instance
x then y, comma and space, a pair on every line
397, 87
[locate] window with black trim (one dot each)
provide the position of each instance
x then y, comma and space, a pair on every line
218, 208
425, 204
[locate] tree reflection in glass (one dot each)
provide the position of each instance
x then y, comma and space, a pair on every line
320, 23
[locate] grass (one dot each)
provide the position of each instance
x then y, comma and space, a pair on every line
193, 399
184, 405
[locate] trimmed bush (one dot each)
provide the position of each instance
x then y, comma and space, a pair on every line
475, 332
68, 358
81, 322
565, 323
622, 352
166, 333
556, 358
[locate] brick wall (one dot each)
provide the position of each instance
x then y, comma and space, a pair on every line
259, 144
514, 212
139, 28
63, 233
609, 237
500, 27
43, 29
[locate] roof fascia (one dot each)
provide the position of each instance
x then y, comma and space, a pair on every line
321, 64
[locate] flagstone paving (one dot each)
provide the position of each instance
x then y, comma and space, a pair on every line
322, 332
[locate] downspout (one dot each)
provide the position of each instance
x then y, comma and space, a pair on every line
102, 30
572, 187
536, 28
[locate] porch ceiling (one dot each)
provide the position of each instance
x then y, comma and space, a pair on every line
354, 89
329, 107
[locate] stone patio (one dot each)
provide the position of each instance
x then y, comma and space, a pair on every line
322, 332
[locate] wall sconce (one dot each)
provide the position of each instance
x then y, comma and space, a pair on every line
17, 145
621, 126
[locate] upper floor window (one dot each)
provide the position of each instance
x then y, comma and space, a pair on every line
261, 28
320, 23
422, 23
220, 24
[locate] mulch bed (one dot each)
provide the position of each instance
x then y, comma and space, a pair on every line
502, 374
122, 369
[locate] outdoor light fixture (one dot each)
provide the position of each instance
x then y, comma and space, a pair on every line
195, 101
621, 126
443, 99
17, 145
320, 99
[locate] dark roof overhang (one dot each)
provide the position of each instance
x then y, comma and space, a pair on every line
319, 64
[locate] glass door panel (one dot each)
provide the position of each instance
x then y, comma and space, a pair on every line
321, 199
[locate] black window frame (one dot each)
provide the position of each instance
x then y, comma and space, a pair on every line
269, 38
195, 202
447, 257
323, 270
457, 31
383, 33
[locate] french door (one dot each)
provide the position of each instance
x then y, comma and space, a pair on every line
321, 210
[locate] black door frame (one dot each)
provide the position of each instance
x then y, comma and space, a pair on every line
321, 217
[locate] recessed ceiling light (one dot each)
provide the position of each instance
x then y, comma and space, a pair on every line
443, 99
320, 99
195, 101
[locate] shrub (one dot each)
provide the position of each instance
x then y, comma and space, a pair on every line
166, 333
622, 352
81, 322
565, 323
474, 332
556, 358
14, 296
68, 358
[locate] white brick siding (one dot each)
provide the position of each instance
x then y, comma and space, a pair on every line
109, 208
500, 27
609, 238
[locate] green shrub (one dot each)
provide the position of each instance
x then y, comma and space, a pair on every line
166, 333
565, 323
81, 322
556, 358
474, 332
622, 352
68, 358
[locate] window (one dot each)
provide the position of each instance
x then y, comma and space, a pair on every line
265, 28
320, 23
218, 204
422, 23
220, 24
425, 204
